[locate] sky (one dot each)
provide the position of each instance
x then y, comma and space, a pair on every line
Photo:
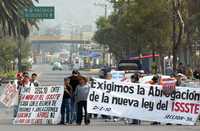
73, 12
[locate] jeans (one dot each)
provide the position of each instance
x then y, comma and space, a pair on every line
66, 110
73, 109
80, 106
15, 110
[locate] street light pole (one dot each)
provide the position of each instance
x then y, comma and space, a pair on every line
105, 15
19, 56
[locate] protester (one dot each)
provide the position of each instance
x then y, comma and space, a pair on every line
189, 72
169, 70
26, 79
66, 103
181, 68
33, 80
108, 76
197, 73
18, 84
135, 79
81, 95
74, 82
178, 79
155, 81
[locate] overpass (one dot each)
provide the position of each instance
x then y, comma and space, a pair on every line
45, 44
58, 39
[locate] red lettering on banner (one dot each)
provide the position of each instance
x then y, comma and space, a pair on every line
22, 115
185, 107
33, 97
29, 97
52, 97
43, 114
41, 97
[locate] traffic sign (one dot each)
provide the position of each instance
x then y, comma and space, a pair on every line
40, 12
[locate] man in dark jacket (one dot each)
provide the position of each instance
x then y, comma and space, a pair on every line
74, 82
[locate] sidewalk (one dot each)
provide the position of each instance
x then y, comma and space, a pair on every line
5, 115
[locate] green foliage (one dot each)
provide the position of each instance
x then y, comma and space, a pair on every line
8, 52
135, 27
12, 22
164, 26
10, 75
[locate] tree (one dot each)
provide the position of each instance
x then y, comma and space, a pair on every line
7, 56
135, 26
12, 22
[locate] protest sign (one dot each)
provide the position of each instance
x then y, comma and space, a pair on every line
168, 85
118, 75
144, 102
39, 105
9, 95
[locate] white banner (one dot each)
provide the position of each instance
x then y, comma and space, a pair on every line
144, 102
9, 95
40, 105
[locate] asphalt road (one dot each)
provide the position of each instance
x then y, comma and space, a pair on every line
49, 77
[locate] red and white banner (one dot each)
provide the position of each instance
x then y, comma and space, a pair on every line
144, 102
40, 105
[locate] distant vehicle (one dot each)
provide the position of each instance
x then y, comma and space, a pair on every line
130, 67
57, 66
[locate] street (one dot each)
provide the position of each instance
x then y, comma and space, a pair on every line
49, 77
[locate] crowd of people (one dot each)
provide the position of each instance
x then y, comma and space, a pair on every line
76, 90
22, 80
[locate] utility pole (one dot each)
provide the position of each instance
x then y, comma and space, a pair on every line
105, 6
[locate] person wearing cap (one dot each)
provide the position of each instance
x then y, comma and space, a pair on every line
66, 103
74, 82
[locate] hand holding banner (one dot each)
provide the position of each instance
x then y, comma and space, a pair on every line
40, 105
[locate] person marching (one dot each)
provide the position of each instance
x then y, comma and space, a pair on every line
135, 79
74, 82
81, 95
33, 80
66, 103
